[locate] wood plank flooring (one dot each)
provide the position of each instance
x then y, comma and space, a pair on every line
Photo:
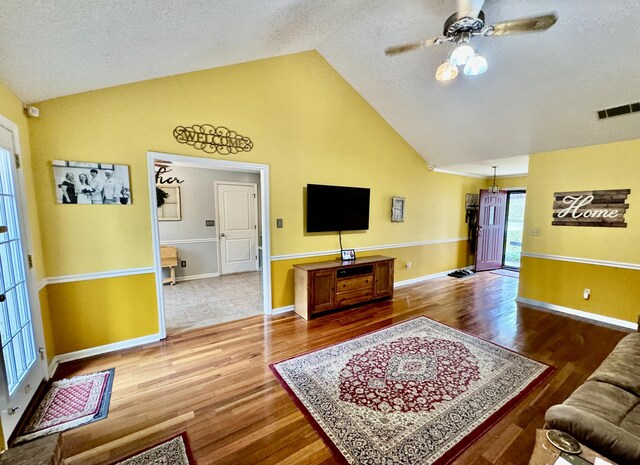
215, 382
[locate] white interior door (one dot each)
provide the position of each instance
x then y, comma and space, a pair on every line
237, 227
23, 368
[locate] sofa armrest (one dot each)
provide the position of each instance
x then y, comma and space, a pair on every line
606, 438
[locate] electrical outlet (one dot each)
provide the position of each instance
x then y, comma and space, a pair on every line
209, 222
586, 294
183, 263
535, 231
407, 265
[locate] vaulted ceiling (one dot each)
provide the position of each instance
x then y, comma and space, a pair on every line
540, 93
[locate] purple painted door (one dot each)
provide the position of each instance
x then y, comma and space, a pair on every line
490, 230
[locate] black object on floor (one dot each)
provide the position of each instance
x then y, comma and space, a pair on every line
462, 273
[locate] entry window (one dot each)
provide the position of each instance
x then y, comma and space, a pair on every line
492, 215
513, 231
16, 330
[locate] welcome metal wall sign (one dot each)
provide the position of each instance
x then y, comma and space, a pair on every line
212, 139
604, 208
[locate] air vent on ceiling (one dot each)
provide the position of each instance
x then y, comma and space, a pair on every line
617, 111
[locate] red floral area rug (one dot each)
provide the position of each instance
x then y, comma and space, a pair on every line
70, 403
416, 393
175, 451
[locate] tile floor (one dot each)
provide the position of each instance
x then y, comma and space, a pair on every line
206, 302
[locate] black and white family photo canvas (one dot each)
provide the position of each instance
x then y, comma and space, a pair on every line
80, 182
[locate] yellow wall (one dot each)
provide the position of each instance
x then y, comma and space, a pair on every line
102, 311
614, 291
305, 121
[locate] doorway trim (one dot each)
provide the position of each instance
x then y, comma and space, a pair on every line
30, 273
510, 191
209, 163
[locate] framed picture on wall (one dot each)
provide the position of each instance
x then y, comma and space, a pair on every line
80, 182
170, 209
397, 209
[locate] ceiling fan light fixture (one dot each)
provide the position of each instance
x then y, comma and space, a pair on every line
475, 66
446, 72
460, 55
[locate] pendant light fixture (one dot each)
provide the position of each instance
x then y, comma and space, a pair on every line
494, 189
463, 55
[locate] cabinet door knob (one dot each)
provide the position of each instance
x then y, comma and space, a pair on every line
3, 297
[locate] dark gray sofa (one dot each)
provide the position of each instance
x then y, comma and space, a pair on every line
604, 413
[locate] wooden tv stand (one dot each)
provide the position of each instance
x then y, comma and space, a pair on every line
325, 286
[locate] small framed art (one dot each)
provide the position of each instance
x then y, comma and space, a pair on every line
348, 254
170, 209
397, 209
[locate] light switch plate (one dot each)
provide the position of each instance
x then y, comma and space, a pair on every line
279, 223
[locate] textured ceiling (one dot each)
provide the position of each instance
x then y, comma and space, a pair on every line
541, 91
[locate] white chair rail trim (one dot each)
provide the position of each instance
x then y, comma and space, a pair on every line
585, 261
71, 278
366, 249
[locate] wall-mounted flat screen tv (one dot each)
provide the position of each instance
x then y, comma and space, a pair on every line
337, 208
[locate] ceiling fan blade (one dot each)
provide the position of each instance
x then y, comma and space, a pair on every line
469, 8
411, 46
519, 26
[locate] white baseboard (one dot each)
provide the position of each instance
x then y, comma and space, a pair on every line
580, 313
285, 309
419, 279
53, 366
196, 276
101, 350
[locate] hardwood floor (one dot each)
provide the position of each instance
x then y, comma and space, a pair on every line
215, 382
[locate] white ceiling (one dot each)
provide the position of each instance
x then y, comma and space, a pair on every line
509, 166
541, 91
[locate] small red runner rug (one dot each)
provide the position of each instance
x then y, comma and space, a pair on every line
417, 393
70, 403
175, 451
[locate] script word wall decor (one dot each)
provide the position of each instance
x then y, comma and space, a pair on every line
161, 171
212, 139
591, 208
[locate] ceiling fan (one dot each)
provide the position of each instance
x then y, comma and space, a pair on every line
466, 24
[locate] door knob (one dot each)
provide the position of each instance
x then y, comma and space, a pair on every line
3, 297
12, 410
222, 235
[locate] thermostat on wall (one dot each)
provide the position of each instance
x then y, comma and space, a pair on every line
209, 222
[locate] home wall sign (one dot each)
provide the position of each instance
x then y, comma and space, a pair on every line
604, 208
212, 139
